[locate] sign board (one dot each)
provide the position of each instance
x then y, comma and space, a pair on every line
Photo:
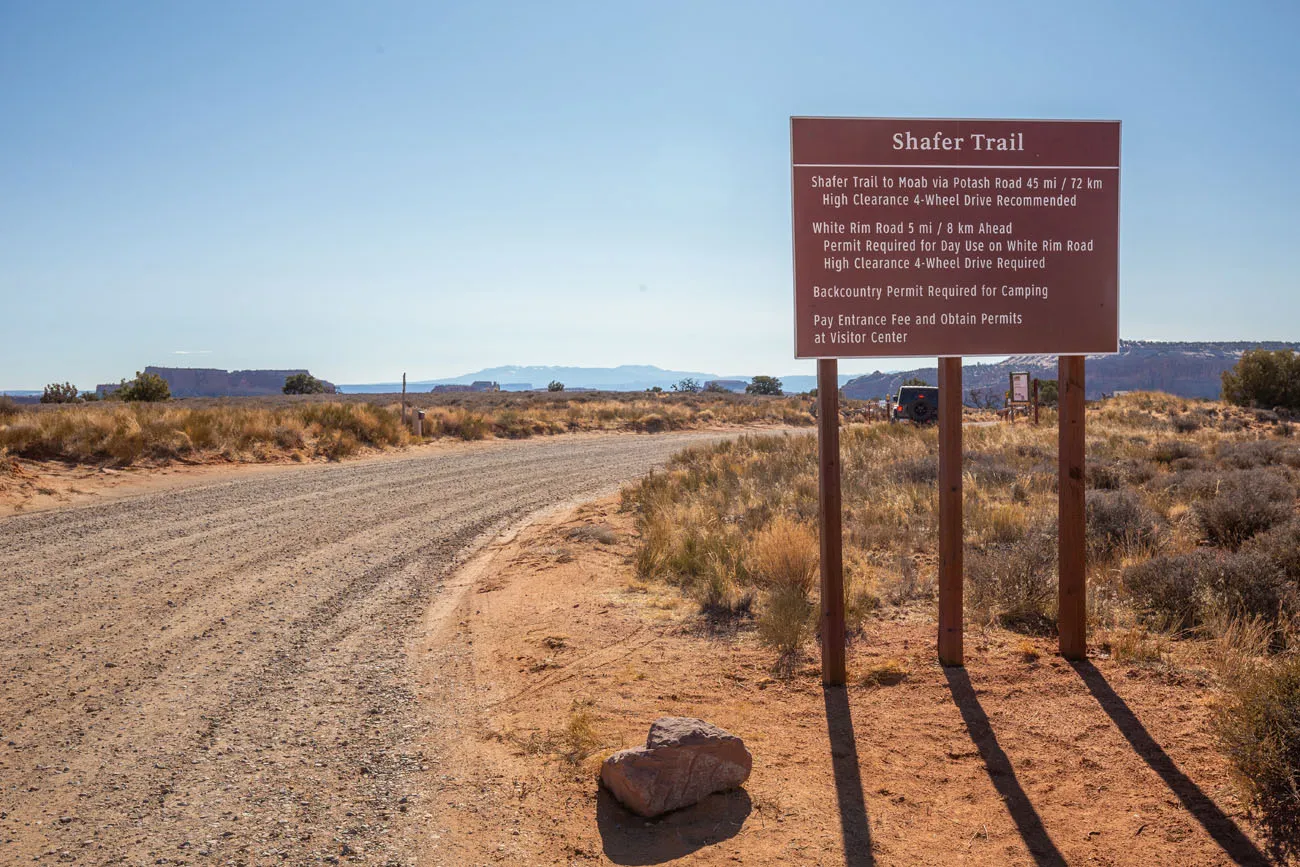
954, 237
1020, 388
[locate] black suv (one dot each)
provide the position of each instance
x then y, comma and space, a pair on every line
916, 403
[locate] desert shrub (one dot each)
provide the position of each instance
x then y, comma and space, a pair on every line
721, 601
1264, 379
1106, 475
1257, 722
1048, 392
1168, 451
1249, 584
1190, 484
1168, 589
1247, 503
1280, 546
8, 406
304, 383
337, 444
917, 471
652, 423
1186, 423
289, 436
1118, 522
1256, 453
57, 392
769, 385
990, 469
145, 388
1111, 474
1015, 584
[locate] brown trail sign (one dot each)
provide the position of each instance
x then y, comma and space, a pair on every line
950, 238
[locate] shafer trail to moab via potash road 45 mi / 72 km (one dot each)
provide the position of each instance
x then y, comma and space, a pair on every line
219, 674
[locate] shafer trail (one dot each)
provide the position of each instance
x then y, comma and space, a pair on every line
219, 674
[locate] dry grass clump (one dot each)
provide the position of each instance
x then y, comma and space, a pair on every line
784, 563
266, 428
1258, 725
580, 737
124, 434
885, 672
1156, 496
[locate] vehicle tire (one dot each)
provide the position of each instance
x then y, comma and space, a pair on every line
921, 412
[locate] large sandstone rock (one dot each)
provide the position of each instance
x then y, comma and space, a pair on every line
684, 761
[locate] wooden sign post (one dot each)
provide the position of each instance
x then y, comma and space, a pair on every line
947, 238
828, 489
1072, 591
950, 503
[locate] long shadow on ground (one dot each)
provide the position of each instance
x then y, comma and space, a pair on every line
1028, 823
1224, 831
630, 839
855, 828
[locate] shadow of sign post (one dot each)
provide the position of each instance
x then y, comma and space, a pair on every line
855, 829
1225, 832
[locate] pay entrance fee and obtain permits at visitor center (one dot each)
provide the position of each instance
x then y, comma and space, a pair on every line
955, 237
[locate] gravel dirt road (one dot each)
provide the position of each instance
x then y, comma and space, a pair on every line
219, 674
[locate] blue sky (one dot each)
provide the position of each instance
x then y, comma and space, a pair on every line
367, 188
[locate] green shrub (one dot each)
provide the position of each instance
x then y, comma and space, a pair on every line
146, 388
555, 385
304, 383
1264, 378
60, 393
769, 385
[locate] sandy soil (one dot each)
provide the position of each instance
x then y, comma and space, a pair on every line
219, 672
1013, 760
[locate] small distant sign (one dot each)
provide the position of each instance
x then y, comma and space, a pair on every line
1020, 388
954, 237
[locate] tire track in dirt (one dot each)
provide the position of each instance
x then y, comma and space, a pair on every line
217, 674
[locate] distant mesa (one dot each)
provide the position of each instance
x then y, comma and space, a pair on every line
1186, 369
736, 385
477, 385
211, 382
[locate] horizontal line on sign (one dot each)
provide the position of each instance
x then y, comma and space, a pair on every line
900, 166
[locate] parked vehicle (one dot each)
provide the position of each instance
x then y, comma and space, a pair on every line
916, 403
